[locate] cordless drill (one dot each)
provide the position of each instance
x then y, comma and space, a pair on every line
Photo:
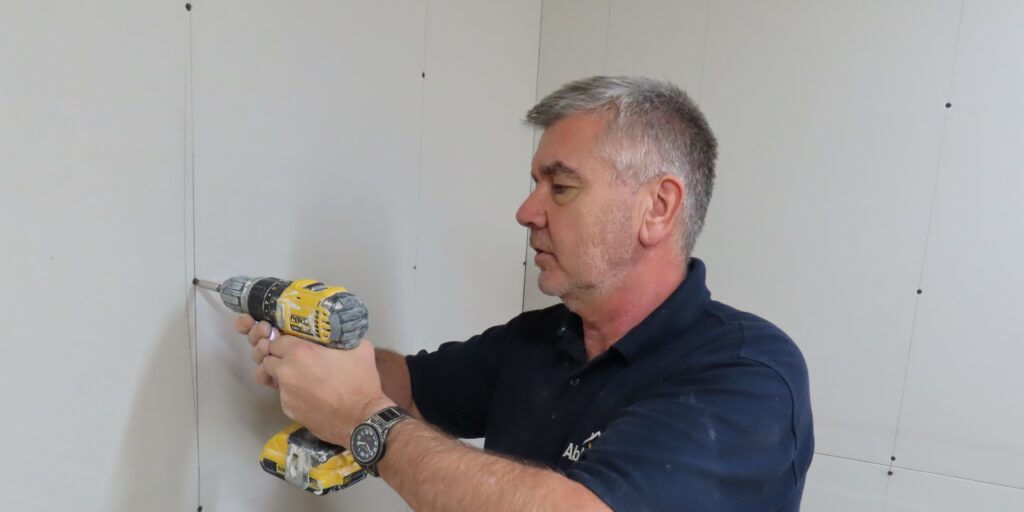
328, 315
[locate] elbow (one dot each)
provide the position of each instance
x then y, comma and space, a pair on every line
571, 495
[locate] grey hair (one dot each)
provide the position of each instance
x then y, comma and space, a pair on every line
654, 129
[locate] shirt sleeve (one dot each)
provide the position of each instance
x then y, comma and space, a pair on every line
452, 386
720, 441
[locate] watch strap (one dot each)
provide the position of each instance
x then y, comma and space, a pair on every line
388, 417
384, 419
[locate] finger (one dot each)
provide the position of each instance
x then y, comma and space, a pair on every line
261, 350
243, 323
258, 332
272, 366
282, 346
261, 377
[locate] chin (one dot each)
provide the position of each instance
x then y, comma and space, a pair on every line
546, 290
549, 288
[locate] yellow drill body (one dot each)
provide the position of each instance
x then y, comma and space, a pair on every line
300, 310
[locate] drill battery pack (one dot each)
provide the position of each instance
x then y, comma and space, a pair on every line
299, 457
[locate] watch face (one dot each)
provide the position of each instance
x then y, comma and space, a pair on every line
365, 444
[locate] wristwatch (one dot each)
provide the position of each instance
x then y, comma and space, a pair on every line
368, 438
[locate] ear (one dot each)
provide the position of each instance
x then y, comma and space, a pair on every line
665, 197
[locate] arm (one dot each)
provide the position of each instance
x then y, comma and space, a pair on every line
432, 471
394, 379
331, 391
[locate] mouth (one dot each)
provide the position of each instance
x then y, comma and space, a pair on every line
541, 248
541, 256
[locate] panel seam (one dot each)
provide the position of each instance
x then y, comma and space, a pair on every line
924, 252
419, 169
189, 228
533, 144
704, 55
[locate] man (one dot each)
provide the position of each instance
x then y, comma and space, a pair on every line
638, 393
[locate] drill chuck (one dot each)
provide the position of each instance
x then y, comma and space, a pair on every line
232, 292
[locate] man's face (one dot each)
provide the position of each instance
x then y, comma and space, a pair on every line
583, 222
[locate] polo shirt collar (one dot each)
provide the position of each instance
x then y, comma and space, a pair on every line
674, 316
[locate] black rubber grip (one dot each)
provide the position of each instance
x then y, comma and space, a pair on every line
263, 297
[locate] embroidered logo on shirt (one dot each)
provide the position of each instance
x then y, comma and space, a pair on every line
573, 451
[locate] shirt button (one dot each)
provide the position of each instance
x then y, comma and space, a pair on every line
575, 381
554, 415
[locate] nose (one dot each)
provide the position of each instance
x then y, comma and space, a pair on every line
531, 212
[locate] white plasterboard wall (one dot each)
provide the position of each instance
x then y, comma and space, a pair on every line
481, 64
308, 124
830, 121
322, 150
836, 147
95, 363
844, 485
962, 415
299, 173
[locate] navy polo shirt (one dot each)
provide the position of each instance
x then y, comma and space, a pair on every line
700, 407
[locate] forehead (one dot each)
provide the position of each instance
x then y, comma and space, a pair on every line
569, 145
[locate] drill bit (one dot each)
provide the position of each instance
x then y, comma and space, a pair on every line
209, 285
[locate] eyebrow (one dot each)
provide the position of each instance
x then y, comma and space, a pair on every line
558, 168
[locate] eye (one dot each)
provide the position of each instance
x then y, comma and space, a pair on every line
563, 194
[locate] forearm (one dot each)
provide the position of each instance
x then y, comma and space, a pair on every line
394, 379
434, 472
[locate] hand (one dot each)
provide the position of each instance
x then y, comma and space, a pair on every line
259, 334
328, 390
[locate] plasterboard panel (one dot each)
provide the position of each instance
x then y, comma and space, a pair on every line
307, 137
98, 409
481, 71
829, 119
962, 414
843, 485
661, 39
912, 491
573, 41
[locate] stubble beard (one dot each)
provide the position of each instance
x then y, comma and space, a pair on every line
604, 259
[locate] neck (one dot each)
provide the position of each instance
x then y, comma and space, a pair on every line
609, 315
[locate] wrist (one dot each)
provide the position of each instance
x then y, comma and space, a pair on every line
374, 405
369, 408
369, 440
